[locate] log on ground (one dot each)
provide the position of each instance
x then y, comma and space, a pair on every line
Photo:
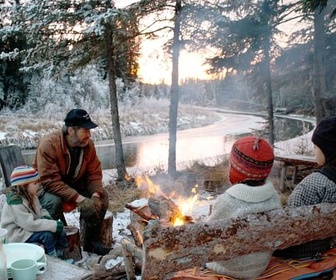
106, 230
171, 249
74, 251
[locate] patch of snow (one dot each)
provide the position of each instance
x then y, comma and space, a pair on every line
2, 135
29, 133
139, 202
137, 126
114, 262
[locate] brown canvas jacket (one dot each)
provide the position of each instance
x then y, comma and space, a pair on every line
52, 160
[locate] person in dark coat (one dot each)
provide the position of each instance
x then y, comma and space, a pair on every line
318, 187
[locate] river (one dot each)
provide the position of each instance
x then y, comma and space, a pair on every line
206, 144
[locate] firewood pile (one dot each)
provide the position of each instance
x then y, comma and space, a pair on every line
160, 211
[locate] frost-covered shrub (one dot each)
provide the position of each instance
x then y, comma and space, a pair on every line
89, 90
86, 89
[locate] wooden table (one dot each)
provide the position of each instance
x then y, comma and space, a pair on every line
58, 269
298, 162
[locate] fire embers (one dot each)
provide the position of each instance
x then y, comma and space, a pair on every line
159, 211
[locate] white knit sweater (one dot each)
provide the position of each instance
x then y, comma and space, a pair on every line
21, 221
241, 200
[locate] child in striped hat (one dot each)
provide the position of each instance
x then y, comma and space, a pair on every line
24, 218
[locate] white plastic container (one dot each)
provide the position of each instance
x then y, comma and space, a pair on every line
3, 262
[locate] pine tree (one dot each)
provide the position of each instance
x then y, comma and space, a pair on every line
67, 35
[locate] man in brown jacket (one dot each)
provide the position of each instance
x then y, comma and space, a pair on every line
71, 174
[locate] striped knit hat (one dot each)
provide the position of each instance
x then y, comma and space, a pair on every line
23, 175
251, 159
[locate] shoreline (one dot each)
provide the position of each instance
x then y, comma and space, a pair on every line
281, 148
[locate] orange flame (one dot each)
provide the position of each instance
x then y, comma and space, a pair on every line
178, 222
147, 187
127, 177
185, 205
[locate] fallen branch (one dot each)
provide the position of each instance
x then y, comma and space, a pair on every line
137, 210
130, 251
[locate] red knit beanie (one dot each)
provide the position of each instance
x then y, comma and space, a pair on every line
251, 158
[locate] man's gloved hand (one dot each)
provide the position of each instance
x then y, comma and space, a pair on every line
98, 203
88, 211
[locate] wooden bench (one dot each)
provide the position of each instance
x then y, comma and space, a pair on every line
10, 157
299, 163
170, 249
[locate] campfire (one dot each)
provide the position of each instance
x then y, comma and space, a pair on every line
167, 210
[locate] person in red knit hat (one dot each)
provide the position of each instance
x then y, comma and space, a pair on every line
251, 161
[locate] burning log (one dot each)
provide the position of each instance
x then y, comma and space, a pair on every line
166, 210
157, 210
170, 249
139, 218
163, 207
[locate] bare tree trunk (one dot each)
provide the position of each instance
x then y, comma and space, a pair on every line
319, 63
174, 93
268, 90
111, 61
267, 77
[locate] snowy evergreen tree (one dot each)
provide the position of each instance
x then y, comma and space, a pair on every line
67, 35
13, 41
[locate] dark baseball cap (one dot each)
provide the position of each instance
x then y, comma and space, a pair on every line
80, 118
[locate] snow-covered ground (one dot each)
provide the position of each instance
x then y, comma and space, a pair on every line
303, 142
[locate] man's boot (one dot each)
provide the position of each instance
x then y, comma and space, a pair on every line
97, 247
92, 243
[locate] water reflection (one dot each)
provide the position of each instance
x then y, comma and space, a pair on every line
155, 153
204, 144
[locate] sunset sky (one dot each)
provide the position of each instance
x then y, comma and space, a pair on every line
155, 65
